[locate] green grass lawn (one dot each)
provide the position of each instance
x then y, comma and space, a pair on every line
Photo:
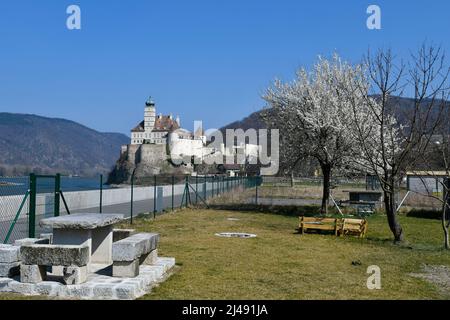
281, 264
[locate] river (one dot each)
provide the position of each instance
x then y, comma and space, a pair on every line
19, 185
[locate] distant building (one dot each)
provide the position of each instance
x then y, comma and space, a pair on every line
160, 146
153, 129
163, 130
426, 182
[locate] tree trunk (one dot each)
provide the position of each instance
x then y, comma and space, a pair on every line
446, 213
391, 212
326, 172
446, 240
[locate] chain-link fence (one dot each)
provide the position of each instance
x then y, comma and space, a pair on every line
294, 191
354, 196
24, 201
14, 205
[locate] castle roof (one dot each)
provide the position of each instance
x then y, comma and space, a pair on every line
139, 127
162, 124
165, 123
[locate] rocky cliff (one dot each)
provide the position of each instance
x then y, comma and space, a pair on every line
145, 160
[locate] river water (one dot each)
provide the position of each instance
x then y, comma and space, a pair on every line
19, 185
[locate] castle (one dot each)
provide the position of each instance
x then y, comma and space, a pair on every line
153, 129
166, 131
160, 146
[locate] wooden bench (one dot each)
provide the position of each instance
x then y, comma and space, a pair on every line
328, 224
357, 227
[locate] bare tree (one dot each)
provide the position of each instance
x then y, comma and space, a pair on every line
312, 114
401, 133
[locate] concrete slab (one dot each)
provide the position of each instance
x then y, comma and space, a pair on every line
99, 241
133, 247
55, 255
99, 285
81, 221
126, 269
9, 253
32, 273
28, 241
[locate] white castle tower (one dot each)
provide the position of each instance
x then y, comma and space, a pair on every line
149, 115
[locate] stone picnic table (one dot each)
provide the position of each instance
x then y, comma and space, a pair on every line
91, 229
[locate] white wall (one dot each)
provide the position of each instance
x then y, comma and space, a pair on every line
85, 199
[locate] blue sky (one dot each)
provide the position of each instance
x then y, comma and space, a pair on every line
204, 60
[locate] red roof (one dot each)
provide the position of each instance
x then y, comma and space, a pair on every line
162, 124
165, 123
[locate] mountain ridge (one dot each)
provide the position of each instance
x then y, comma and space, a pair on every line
35, 143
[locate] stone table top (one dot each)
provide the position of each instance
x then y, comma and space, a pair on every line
82, 221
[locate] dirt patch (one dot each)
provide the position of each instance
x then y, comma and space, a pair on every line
437, 275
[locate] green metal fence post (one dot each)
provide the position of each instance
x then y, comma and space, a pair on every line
32, 207
132, 196
196, 189
182, 198
186, 186
205, 184
101, 194
173, 183
57, 196
154, 197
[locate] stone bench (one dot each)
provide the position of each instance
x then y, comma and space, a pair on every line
9, 260
36, 258
120, 234
129, 253
29, 241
